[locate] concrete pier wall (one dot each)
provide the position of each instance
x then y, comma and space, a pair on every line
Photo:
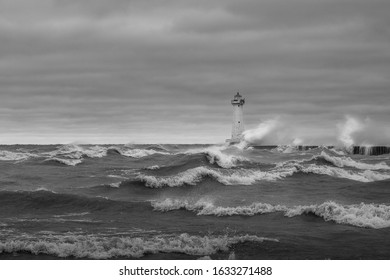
356, 150
371, 151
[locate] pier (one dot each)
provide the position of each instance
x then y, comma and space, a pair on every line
356, 150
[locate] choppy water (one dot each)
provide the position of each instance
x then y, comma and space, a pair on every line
192, 201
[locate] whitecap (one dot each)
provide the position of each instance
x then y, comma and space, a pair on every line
347, 161
71, 214
360, 215
207, 207
227, 177
153, 167
15, 156
137, 153
216, 154
70, 162
116, 184
81, 246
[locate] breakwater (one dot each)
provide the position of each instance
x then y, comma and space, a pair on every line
356, 150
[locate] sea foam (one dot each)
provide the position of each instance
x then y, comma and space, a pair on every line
215, 155
74, 151
365, 176
137, 153
207, 207
360, 215
81, 246
15, 156
347, 161
296, 166
196, 175
72, 154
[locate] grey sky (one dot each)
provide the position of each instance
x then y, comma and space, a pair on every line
163, 71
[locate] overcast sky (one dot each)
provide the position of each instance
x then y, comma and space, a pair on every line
161, 71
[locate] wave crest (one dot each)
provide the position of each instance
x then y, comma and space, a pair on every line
347, 161
215, 155
206, 207
74, 151
80, 246
296, 166
137, 153
15, 156
360, 215
226, 177
66, 161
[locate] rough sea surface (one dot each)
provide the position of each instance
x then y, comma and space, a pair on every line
191, 202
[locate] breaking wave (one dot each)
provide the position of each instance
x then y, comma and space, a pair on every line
338, 152
347, 161
196, 175
72, 154
137, 153
152, 167
77, 152
365, 176
207, 207
368, 175
94, 247
15, 156
216, 155
66, 161
361, 215
285, 149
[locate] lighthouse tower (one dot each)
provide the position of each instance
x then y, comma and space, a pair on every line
238, 119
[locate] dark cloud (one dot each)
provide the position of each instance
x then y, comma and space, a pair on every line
165, 71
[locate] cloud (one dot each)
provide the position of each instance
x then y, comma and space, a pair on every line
131, 68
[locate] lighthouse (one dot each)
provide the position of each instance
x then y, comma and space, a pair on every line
238, 119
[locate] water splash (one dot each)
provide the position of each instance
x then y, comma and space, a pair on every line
262, 132
347, 130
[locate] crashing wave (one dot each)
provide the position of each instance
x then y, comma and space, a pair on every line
72, 151
216, 155
77, 152
80, 246
116, 184
338, 152
196, 175
365, 176
152, 167
207, 207
15, 156
296, 166
72, 154
285, 149
347, 161
137, 153
360, 215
